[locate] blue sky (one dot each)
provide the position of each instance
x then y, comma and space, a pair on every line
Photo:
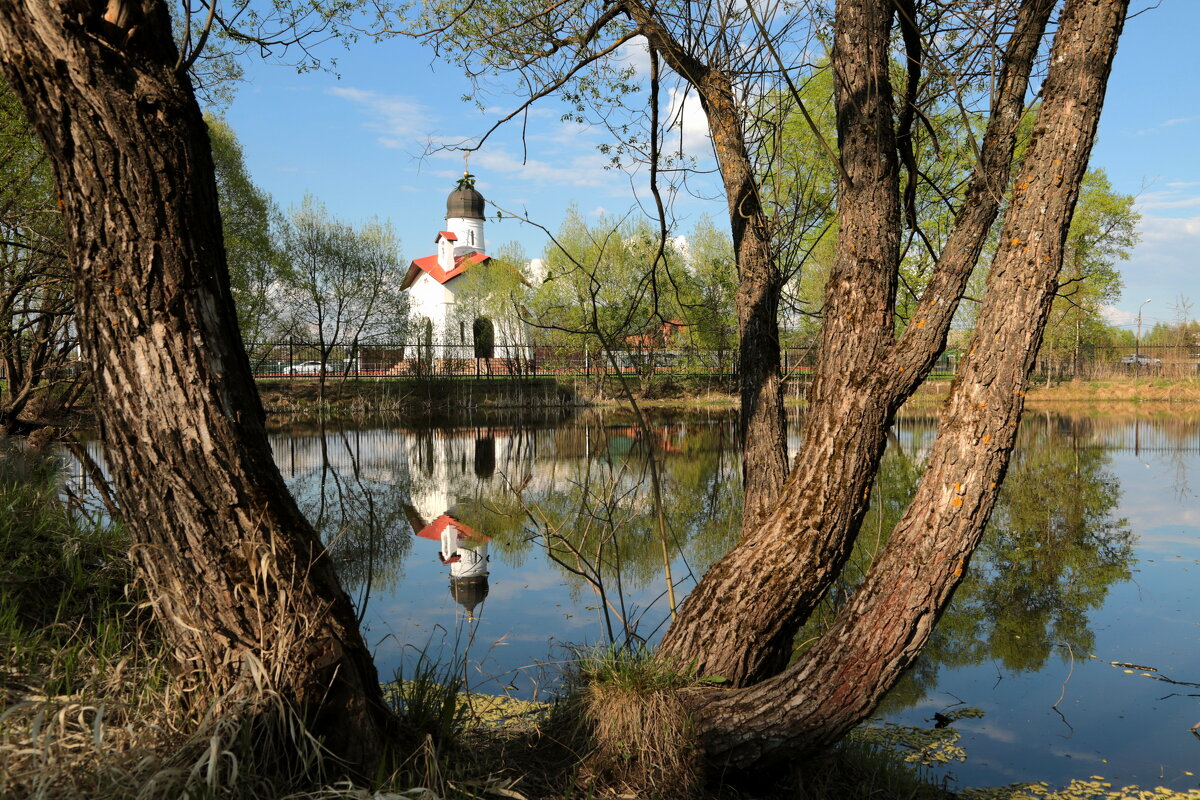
356, 140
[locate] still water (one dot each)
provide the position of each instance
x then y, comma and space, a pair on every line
1076, 631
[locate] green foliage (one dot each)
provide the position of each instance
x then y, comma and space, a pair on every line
1103, 231
252, 224
37, 336
707, 288
65, 614
598, 279
633, 669
342, 283
607, 284
430, 700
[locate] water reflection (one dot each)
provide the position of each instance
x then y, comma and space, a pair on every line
1055, 547
552, 532
575, 498
463, 551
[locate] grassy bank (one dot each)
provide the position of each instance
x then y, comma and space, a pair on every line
420, 399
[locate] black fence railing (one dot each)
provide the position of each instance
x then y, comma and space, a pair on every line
1090, 362
299, 359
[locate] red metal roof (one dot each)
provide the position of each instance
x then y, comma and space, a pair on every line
448, 235
434, 530
430, 265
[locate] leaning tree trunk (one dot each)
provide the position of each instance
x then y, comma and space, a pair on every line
740, 621
763, 426
840, 680
239, 580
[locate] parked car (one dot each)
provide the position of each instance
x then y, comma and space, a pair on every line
304, 368
314, 368
1141, 360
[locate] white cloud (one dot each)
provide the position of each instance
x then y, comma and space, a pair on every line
1180, 121
1115, 316
635, 53
1170, 123
585, 168
1163, 266
1175, 195
598, 211
399, 119
1178, 230
688, 120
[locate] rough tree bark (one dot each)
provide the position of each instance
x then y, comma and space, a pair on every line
238, 577
740, 621
839, 680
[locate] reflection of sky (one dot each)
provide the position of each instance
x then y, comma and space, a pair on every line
526, 613
1118, 724
530, 612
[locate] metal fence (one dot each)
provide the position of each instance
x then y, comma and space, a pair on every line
300, 359
1091, 362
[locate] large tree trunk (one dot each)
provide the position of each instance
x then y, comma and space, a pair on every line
740, 621
763, 426
841, 678
239, 580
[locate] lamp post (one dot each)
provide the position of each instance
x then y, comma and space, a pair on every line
1137, 342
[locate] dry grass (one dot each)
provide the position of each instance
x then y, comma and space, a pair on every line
641, 739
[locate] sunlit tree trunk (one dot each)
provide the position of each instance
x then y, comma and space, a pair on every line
840, 679
238, 579
740, 621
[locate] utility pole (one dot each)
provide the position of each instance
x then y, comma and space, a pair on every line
1137, 342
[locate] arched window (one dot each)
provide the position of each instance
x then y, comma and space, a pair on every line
485, 338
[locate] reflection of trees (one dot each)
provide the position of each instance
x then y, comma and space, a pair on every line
1050, 554
597, 519
361, 521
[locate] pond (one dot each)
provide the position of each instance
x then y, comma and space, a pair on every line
1076, 631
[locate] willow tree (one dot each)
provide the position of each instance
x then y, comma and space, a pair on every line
740, 621
103, 85
237, 576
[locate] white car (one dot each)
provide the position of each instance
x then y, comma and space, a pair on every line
1141, 360
304, 368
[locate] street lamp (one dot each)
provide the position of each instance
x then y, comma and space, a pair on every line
1137, 342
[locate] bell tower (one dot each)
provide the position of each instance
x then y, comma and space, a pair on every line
465, 216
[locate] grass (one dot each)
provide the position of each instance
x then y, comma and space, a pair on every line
89, 707
626, 704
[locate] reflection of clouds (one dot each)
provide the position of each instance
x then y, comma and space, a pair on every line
1159, 508
988, 730
1176, 540
1081, 756
527, 580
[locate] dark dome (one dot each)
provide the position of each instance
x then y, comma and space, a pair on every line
469, 592
464, 202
